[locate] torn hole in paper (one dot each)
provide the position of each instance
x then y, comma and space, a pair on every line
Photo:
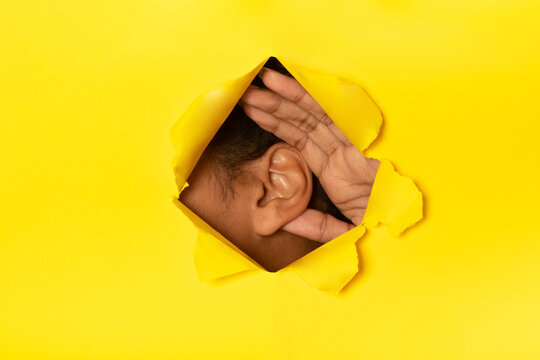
261, 194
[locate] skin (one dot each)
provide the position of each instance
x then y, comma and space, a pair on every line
288, 111
266, 213
264, 201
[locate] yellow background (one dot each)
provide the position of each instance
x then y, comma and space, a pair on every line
96, 261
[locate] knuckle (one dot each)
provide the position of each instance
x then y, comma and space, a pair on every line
298, 97
310, 125
273, 128
301, 142
275, 104
323, 226
325, 119
332, 148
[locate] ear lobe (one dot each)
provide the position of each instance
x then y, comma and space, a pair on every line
287, 182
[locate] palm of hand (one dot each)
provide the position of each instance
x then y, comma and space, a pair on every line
289, 112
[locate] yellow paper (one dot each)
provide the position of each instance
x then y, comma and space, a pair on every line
395, 201
331, 266
97, 262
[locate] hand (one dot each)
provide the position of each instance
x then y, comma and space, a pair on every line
288, 111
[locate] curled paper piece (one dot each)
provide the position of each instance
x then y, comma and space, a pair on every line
395, 200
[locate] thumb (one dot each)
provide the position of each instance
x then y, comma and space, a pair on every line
317, 226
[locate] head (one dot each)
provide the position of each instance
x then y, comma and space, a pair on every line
248, 184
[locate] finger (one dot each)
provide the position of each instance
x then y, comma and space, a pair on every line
291, 89
317, 226
314, 156
282, 108
339, 134
273, 103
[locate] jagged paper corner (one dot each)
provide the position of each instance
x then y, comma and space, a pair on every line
330, 267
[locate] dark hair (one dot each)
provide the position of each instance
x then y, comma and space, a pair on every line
240, 140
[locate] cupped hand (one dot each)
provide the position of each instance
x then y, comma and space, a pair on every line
288, 111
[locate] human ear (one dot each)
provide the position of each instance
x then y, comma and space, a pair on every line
285, 191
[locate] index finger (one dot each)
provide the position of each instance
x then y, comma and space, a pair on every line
291, 90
